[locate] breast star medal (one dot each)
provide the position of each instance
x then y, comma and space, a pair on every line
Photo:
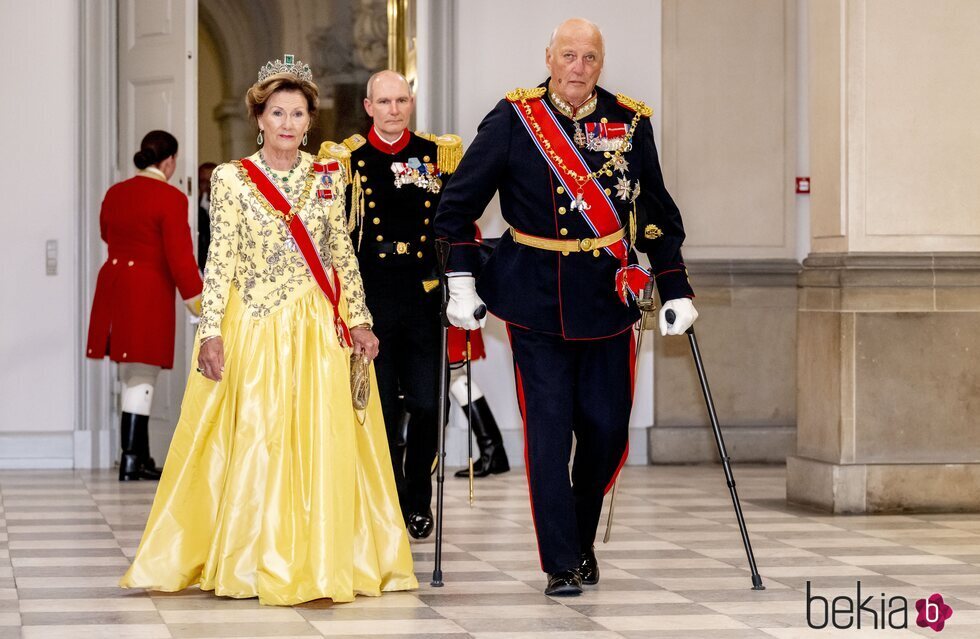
623, 189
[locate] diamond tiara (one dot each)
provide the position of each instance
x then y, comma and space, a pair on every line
288, 64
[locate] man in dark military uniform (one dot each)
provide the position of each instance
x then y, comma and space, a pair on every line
580, 185
397, 179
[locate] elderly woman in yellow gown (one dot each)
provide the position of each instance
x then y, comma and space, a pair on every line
275, 486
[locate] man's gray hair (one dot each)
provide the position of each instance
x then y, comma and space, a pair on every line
602, 38
384, 71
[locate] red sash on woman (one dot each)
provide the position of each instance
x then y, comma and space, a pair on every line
329, 284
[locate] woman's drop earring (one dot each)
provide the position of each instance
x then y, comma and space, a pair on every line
259, 140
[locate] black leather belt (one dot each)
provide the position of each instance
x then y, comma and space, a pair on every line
393, 248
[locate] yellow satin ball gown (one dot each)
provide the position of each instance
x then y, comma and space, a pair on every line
273, 487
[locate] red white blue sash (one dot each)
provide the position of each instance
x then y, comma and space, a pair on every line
329, 283
599, 211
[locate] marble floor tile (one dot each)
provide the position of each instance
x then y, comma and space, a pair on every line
376, 628
142, 604
157, 631
226, 629
349, 613
266, 614
670, 622
96, 617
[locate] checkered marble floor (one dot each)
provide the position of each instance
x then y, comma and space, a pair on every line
675, 567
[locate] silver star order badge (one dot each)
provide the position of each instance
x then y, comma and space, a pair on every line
623, 189
621, 164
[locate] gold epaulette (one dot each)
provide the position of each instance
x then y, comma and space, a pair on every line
634, 105
525, 94
355, 142
449, 149
338, 152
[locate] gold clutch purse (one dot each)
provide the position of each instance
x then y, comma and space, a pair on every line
360, 381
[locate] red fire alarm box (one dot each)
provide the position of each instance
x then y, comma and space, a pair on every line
803, 185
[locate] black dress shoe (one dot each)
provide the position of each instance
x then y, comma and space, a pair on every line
420, 524
588, 568
566, 583
150, 470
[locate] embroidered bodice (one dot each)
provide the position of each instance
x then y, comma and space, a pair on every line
253, 251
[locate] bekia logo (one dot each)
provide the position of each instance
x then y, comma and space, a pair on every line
878, 612
933, 612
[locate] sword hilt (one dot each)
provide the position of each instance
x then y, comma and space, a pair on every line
646, 302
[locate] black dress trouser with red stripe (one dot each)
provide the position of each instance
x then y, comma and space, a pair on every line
583, 387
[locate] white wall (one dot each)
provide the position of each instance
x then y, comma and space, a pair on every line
500, 46
39, 322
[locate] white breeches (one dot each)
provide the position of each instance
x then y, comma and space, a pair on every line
138, 381
458, 387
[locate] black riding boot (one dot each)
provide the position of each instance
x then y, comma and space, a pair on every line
129, 463
136, 462
149, 468
493, 457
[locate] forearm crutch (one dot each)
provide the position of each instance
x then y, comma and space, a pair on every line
670, 316
442, 257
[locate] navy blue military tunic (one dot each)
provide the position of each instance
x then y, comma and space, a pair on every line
572, 295
395, 234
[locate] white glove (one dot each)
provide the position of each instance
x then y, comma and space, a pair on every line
463, 302
684, 312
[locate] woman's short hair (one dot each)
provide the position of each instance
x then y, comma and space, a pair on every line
156, 147
260, 92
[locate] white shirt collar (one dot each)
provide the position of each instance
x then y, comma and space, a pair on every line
155, 173
390, 142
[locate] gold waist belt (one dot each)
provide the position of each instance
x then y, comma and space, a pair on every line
567, 246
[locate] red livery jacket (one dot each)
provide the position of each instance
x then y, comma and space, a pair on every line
456, 345
144, 222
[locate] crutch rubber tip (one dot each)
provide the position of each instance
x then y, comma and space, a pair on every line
436, 579
757, 582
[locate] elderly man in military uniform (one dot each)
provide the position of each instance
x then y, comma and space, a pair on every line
580, 185
397, 179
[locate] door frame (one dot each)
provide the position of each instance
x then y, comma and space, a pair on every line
94, 436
